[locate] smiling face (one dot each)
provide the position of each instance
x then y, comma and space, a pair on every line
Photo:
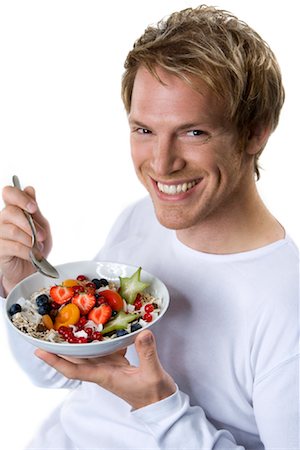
184, 151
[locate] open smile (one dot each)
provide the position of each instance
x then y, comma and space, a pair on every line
175, 190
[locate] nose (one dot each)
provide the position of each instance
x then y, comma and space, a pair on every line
167, 156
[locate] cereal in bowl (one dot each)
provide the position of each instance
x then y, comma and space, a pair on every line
84, 310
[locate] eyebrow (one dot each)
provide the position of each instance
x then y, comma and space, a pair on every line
137, 122
185, 126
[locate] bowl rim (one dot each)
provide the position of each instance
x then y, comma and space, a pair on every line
49, 344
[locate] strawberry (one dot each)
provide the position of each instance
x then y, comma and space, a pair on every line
61, 294
85, 301
100, 314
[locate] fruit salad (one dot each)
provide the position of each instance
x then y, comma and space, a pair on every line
84, 310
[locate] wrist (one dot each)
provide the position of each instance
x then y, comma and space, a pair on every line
160, 391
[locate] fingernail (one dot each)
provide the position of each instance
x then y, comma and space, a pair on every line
31, 207
147, 339
40, 353
40, 235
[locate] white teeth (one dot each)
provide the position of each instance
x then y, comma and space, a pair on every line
172, 189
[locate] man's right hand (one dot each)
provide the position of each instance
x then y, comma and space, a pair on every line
15, 235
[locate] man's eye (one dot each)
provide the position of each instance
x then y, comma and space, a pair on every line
195, 133
143, 131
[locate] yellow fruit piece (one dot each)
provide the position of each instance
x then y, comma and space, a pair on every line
67, 315
70, 283
47, 321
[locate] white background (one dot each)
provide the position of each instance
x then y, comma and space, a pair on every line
63, 129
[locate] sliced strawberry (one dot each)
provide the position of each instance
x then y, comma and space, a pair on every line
85, 302
100, 314
61, 294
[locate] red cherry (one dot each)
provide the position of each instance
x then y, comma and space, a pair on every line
81, 278
78, 289
97, 336
147, 317
62, 329
81, 322
55, 305
138, 302
101, 300
149, 308
69, 331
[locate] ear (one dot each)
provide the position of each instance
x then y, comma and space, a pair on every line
257, 139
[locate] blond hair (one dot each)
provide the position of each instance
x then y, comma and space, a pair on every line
224, 52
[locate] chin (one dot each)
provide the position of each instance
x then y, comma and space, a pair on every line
174, 220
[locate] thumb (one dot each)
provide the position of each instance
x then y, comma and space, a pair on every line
147, 353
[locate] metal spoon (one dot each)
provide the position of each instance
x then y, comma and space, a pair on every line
37, 259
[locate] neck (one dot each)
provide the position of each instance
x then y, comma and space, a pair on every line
248, 226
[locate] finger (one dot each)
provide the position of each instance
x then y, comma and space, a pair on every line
113, 358
121, 352
66, 368
117, 357
78, 360
10, 232
14, 196
30, 191
146, 349
14, 215
11, 249
84, 372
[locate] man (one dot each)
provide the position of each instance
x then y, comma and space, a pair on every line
203, 93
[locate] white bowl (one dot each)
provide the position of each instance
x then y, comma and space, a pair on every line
92, 269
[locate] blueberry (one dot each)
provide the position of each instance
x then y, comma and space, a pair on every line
42, 300
44, 309
100, 283
114, 313
103, 282
14, 309
121, 333
97, 283
135, 326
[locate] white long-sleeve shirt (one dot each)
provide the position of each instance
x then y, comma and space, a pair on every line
230, 340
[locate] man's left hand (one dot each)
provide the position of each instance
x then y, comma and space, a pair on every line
138, 386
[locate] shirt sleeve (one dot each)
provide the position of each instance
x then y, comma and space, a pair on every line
174, 423
276, 403
39, 372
